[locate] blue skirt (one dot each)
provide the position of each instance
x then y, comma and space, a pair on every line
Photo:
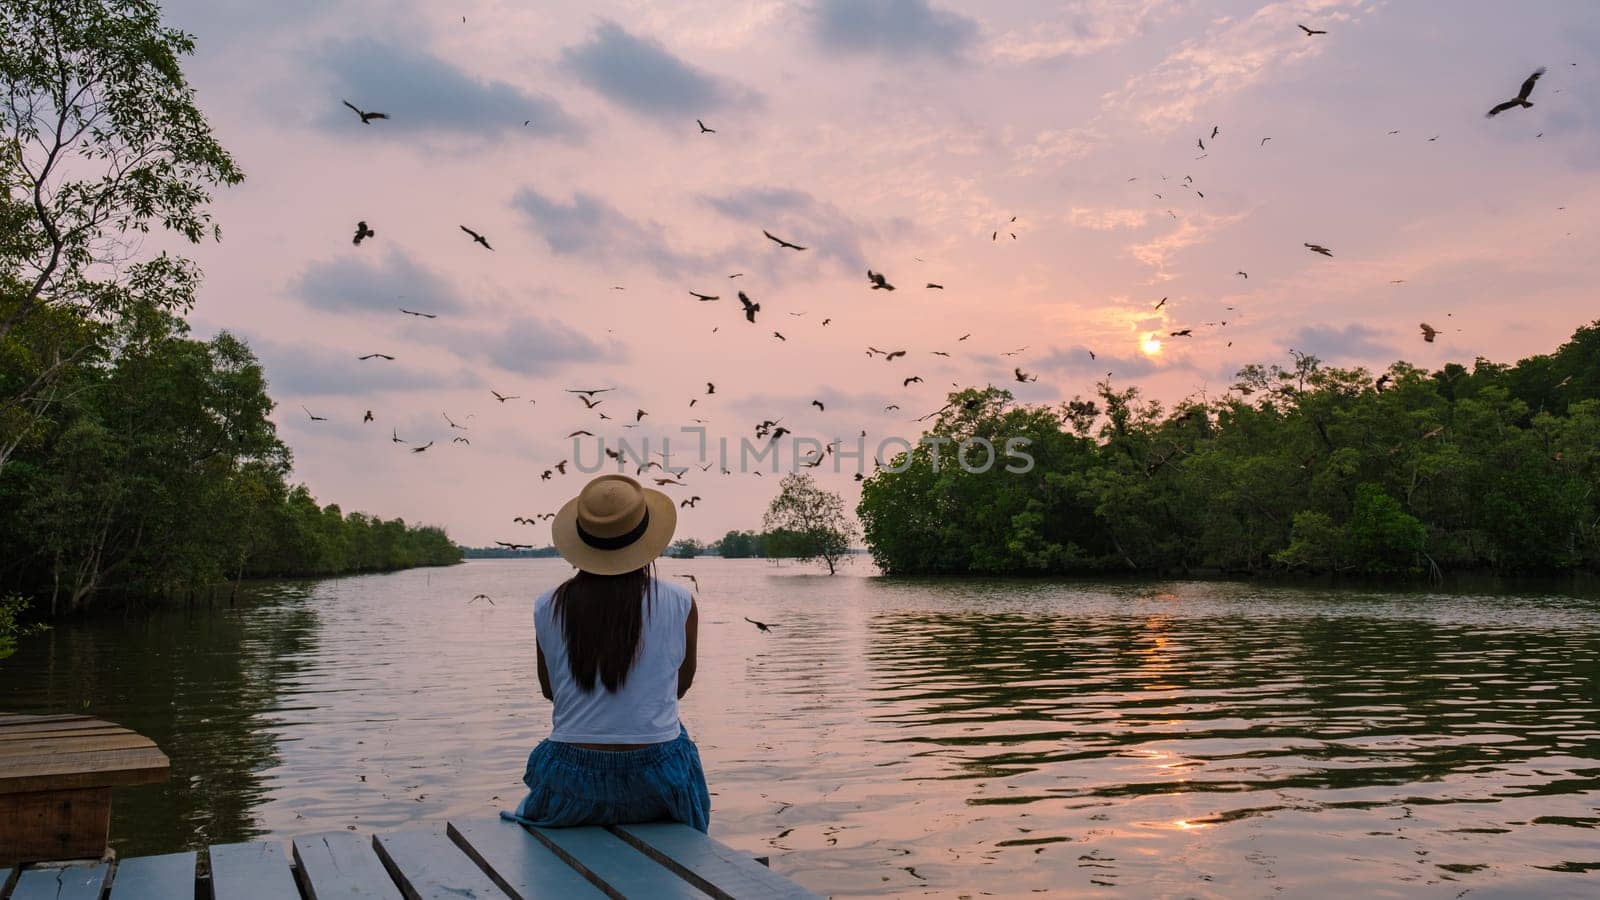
570, 785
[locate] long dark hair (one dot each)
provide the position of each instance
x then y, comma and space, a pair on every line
602, 617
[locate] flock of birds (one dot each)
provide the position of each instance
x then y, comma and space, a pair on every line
593, 398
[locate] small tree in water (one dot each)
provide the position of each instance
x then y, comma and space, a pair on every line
812, 520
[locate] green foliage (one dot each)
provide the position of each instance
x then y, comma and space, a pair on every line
685, 548
158, 473
12, 608
806, 522
103, 141
1296, 467
739, 545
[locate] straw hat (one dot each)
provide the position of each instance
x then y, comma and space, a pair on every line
614, 526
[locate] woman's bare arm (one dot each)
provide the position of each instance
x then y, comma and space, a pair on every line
691, 637
544, 676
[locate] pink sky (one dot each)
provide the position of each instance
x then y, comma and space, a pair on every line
893, 134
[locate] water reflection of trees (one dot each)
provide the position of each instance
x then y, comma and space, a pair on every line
203, 684
1232, 702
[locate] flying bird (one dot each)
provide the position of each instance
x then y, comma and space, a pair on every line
581, 433
893, 355
750, 309
779, 336
452, 422
395, 437
591, 404
513, 547
1243, 274
703, 298
879, 283
1162, 303
1318, 248
1310, 31
1382, 382
780, 241
1522, 95
478, 597
1182, 332
362, 233
1214, 130
376, 356
476, 237
1264, 142
761, 626
639, 414
367, 417
1022, 376
422, 448
503, 397
421, 315
909, 381
314, 417
460, 440
703, 128
1428, 332
690, 503
819, 406
366, 117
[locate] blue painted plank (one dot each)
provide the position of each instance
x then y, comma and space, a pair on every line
718, 869
252, 871
5, 880
79, 881
519, 863
607, 858
341, 865
167, 877
428, 866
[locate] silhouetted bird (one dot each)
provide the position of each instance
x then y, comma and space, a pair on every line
314, 417
581, 433
376, 356
1023, 376
1522, 95
690, 503
422, 448
936, 287
395, 437
780, 337
1318, 248
367, 417
750, 309
1382, 382
703, 128
510, 546
879, 283
1428, 332
759, 625
1162, 303
366, 117
780, 241
362, 233
703, 297
503, 397
819, 406
1182, 332
476, 237
478, 597
422, 315
1310, 31
915, 379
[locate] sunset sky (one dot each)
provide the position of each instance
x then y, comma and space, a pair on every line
895, 135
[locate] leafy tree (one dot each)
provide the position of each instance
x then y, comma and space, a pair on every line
685, 548
814, 520
101, 140
739, 545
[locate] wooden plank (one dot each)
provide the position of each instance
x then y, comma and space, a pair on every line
167, 877
46, 825
715, 867
252, 871
606, 859
80, 881
342, 865
8, 720
519, 862
17, 732
79, 742
428, 866
96, 768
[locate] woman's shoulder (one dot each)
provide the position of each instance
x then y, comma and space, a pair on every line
673, 591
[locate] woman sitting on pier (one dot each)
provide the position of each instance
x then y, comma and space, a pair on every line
616, 650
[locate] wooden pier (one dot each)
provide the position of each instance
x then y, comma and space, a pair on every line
481, 859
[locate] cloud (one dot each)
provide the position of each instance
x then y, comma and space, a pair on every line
588, 227
643, 76
892, 28
322, 371
423, 93
1089, 26
1075, 360
359, 283
529, 345
821, 227
1354, 341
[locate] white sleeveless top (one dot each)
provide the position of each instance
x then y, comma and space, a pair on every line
645, 709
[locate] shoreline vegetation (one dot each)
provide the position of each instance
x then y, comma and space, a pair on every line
136, 463
1300, 470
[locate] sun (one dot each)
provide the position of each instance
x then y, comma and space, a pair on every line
1150, 345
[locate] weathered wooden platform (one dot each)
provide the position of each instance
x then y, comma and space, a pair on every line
467, 860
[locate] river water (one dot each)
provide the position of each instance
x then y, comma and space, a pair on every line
910, 738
